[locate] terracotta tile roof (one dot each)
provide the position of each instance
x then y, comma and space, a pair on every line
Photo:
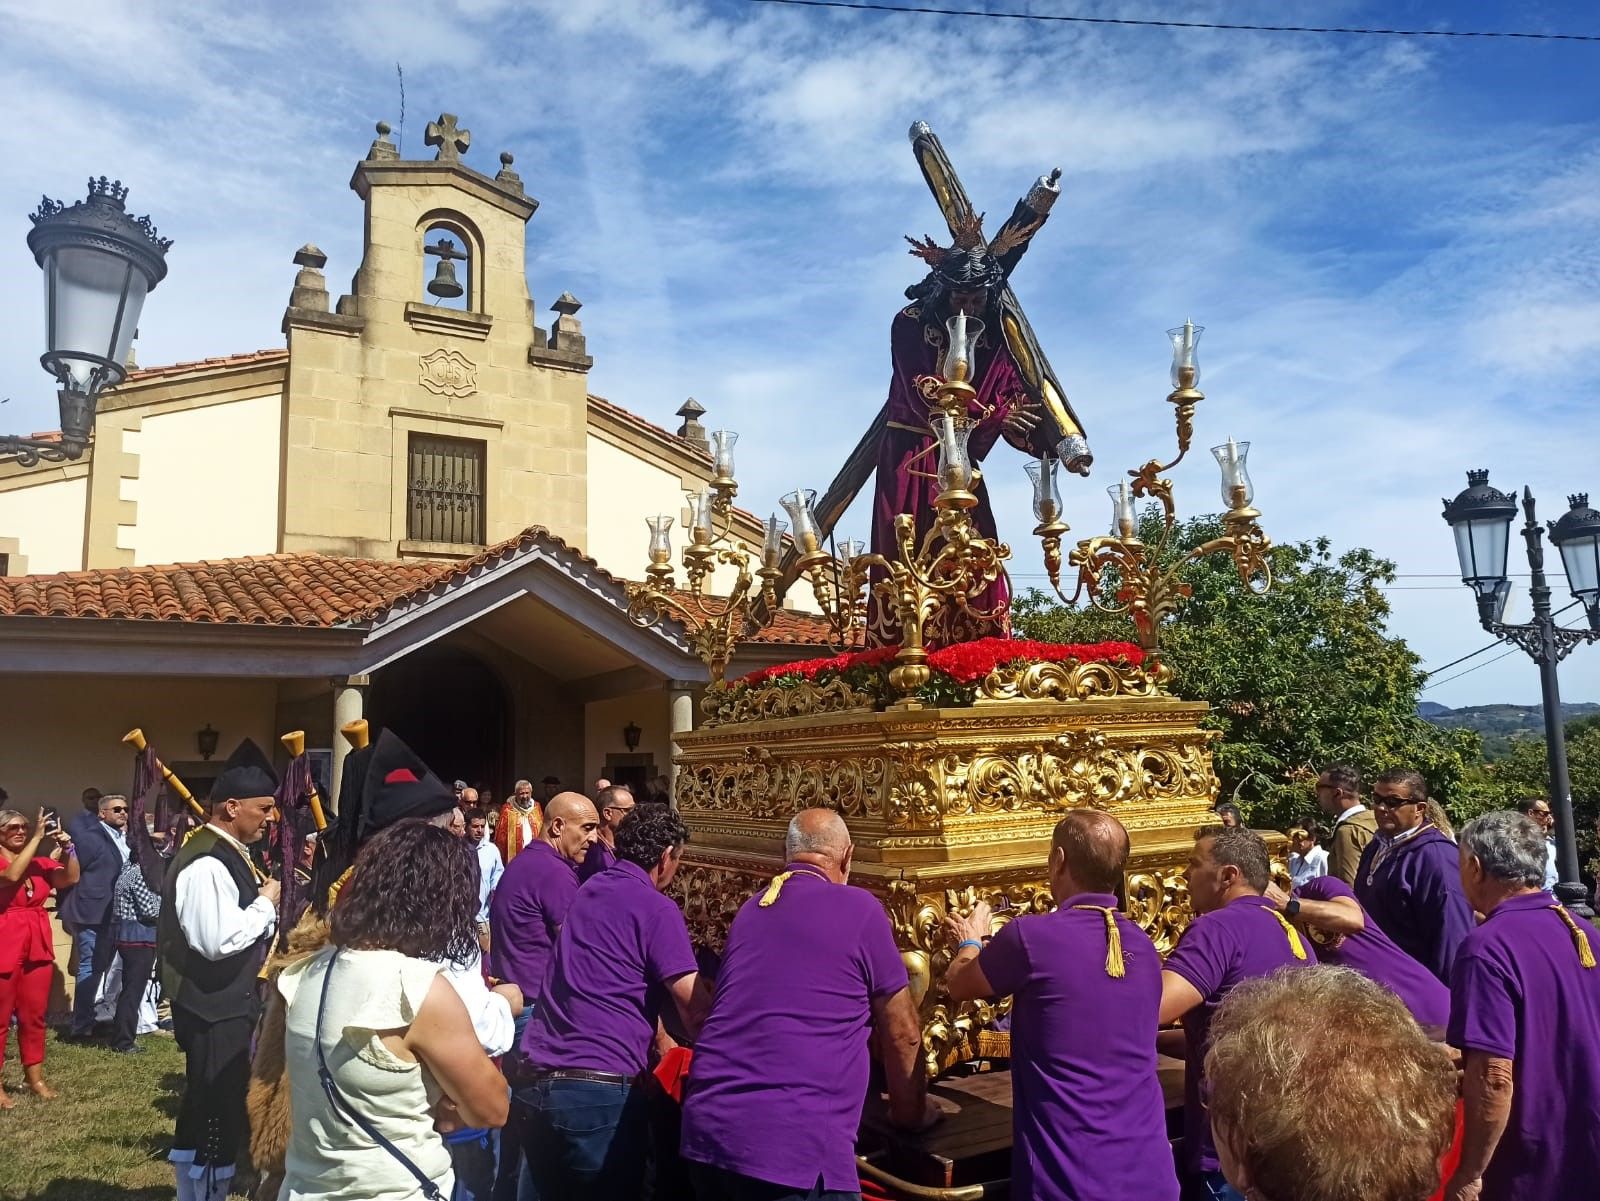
141, 375
648, 427
280, 590
300, 590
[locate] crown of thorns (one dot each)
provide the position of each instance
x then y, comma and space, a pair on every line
968, 237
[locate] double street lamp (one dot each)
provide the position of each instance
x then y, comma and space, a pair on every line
99, 264
1481, 519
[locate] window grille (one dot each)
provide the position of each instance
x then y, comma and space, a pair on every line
444, 490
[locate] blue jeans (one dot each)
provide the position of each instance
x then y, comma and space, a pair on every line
472, 1155
95, 951
586, 1140
719, 1184
511, 1179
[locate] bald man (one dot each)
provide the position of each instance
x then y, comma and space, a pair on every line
1086, 1104
780, 1069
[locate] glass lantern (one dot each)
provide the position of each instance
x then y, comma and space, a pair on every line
772, 543
1186, 354
1577, 537
955, 466
722, 443
1480, 517
1123, 518
801, 519
700, 516
1237, 490
660, 540
851, 549
1046, 490
964, 332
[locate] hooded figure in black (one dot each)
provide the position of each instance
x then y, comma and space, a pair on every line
218, 913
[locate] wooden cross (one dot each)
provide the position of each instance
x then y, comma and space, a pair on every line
451, 141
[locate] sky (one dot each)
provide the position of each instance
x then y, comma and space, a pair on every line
1393, 243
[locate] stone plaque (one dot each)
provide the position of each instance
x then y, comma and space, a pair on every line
449, 373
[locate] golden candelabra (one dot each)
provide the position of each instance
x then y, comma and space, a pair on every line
715, 624
1147, 582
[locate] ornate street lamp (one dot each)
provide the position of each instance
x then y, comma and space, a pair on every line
99, 264
1480, 516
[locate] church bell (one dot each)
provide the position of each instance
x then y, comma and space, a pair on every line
444, 283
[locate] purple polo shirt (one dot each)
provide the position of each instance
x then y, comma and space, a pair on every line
780, 1069
599, 858
1371, 953
1240, 941
622, 943
1519, 993
526, 912
1089, 1117
1415, 897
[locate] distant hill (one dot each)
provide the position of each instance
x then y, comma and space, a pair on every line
1500, 724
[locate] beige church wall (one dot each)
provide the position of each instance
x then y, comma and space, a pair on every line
62, 734
46, 521
604, 721
207, 486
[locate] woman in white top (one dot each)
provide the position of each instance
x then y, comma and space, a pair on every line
1307, 860
398, 1044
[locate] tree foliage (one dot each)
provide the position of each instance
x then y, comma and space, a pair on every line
1301, 677
1523, 772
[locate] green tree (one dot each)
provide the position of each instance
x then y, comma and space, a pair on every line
1524, 772
1301, 677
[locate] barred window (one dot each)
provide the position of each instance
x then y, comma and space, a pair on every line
444, 490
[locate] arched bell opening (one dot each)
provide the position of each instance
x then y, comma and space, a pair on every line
449, 266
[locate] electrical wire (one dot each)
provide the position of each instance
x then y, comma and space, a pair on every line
1470, 670
864, 6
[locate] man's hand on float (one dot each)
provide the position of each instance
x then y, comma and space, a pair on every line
976, 926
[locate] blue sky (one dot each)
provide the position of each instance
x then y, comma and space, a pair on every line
1394, 243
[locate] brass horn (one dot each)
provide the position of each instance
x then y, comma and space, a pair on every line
295, 743
356, 733
135, 738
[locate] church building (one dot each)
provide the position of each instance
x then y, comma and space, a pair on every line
423, 518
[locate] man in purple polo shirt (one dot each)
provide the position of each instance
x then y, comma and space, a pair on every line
525, 914
615, 802
780, 1070
1525, 1012
1327, 911
622, 951
535, 892
1237, 934
1086, 1102
1408, 880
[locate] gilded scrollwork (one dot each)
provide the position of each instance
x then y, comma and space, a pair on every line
724, 704
1159, 902
1064, 682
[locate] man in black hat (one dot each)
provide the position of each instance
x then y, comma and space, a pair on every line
218, 913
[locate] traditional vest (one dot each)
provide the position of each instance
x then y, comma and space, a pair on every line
213, 990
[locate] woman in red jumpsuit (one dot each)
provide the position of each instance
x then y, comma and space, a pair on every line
27, 950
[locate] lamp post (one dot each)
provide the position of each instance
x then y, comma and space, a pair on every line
99, 264
1480, 517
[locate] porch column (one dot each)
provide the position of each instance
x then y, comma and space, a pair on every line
349, 704
680, 699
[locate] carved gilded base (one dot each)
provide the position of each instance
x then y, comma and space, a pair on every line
948, 806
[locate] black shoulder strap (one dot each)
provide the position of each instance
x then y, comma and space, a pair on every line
336, 1100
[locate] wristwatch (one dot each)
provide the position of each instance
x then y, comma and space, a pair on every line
1291, 908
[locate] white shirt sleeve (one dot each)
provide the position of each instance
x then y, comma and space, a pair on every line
209, 914
490, 1012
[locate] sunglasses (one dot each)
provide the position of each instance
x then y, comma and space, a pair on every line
117, 809
1392, 802
13, 827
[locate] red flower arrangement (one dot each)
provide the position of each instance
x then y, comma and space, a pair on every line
955, 668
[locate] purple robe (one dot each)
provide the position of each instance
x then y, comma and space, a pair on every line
1414, 894
1520, 992
905, 436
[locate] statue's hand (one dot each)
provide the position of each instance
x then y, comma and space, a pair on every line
1022, 420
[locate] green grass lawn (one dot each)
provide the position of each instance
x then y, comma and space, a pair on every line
105, 1138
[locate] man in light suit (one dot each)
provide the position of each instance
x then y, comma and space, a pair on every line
101, 841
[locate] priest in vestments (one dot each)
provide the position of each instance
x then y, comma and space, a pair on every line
218, 914
519, 823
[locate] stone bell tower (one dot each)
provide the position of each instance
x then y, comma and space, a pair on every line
426, 413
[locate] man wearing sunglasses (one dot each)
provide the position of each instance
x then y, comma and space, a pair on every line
101, 838
1409, 879
615, 802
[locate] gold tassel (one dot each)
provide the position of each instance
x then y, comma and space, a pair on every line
1114, 965
1585, 952
1295, 945
774, 888
335, 888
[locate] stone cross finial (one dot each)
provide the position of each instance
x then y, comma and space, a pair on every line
451, 141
